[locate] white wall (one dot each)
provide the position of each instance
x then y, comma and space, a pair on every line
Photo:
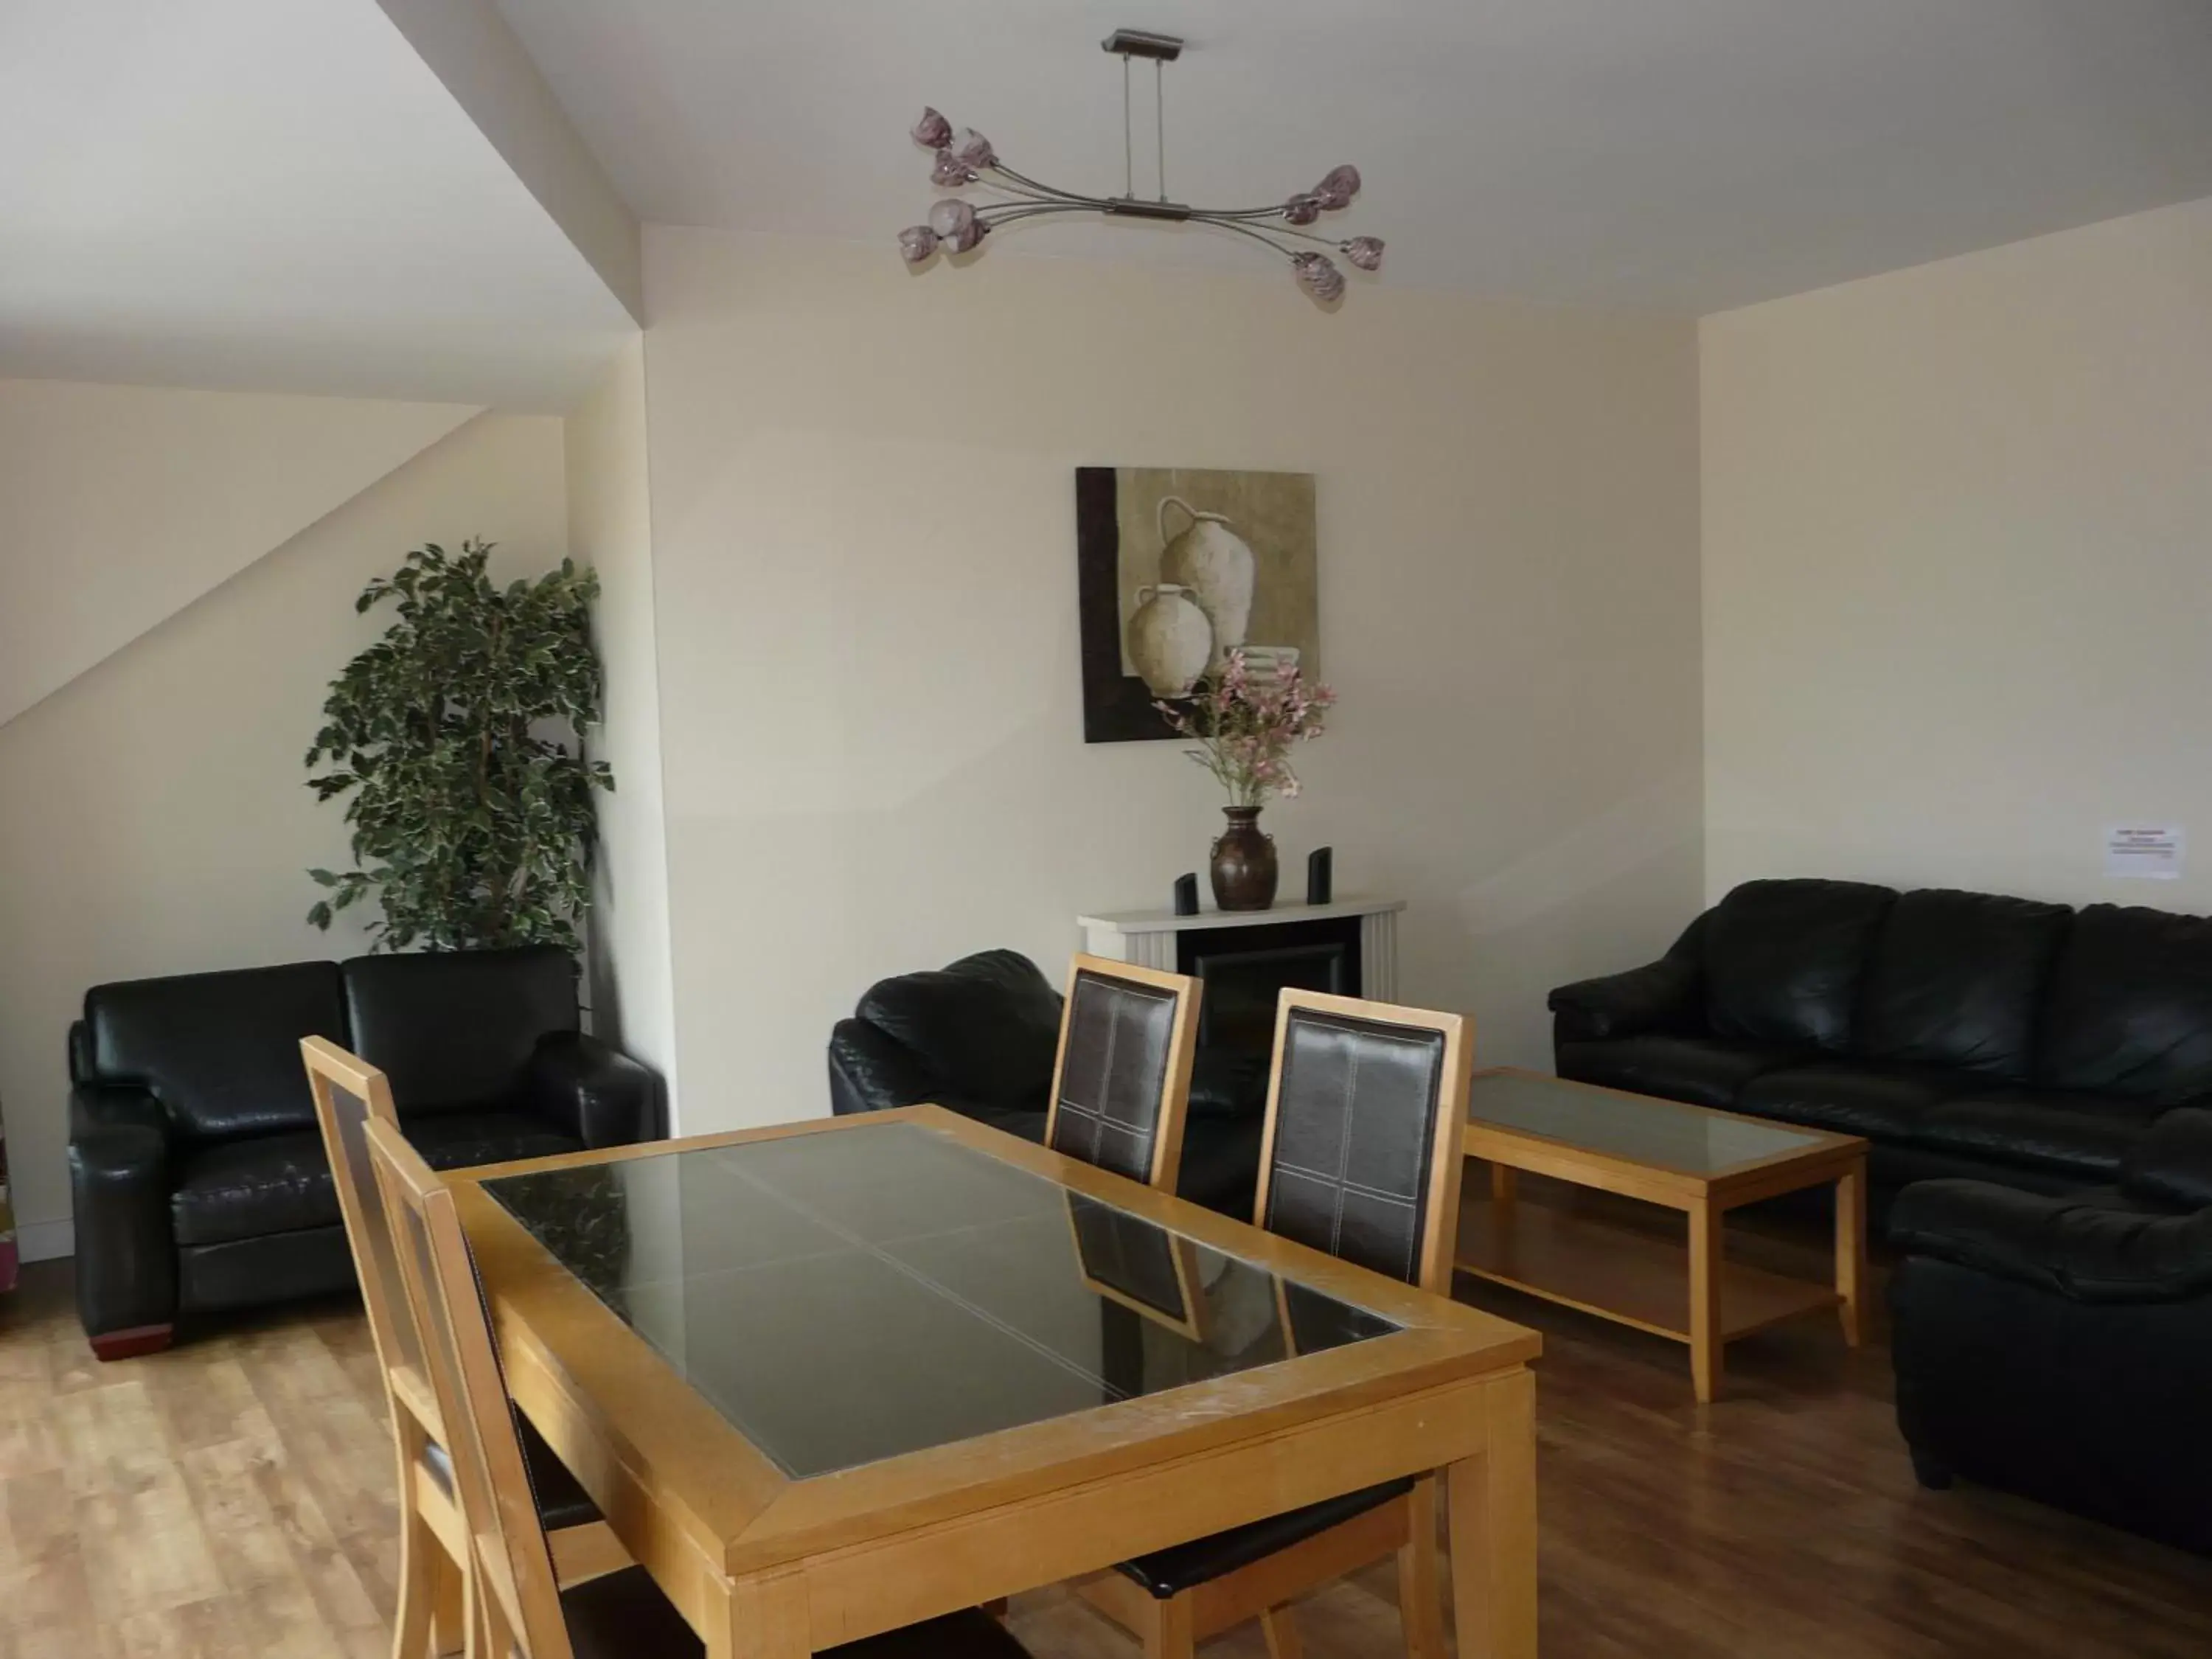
611, 528
863, 511
1958, 567
119, 504
153, 816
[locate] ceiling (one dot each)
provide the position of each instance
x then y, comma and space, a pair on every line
271, 194
1684, 155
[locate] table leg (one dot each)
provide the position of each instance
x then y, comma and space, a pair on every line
1491, 1498
1851, 1248
762, 1618
1705, 1300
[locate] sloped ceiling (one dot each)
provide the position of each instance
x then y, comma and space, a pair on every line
286, 195
123, 504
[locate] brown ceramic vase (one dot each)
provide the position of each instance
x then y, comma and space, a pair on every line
1243, 862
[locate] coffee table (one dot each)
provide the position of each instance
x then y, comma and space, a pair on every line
1692, 1159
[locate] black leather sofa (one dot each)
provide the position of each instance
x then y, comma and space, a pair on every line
980, 1037
195, 1165
2062, 1348
1962, 1034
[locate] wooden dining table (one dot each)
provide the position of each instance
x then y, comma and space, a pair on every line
832, 1377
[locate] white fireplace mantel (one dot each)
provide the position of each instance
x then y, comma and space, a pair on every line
1148, 938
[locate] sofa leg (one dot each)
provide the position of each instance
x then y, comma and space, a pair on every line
131, 1343
1930, 1470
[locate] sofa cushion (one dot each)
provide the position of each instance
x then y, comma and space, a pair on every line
988, 1025
1783, 959
2076, 1135
1700, 1070
2129, 1007
2171, 1164
455, 1029
220, 1051
260, 1184
1856, 1098
1954, 979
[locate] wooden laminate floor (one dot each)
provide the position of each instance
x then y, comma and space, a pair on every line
233, 1497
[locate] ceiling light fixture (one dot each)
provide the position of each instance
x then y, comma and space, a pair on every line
966, 157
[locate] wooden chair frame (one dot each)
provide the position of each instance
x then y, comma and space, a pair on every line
433, 1538
1183, 1050
1406, 1526
512, 1596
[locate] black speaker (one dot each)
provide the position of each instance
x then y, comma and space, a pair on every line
1186, 895
1320, 875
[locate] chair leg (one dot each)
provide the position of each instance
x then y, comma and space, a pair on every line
1282, 1634
1167, 1634
420, 1558
449, 1612
1420, 1577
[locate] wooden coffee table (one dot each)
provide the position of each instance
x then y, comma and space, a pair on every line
1691, 1158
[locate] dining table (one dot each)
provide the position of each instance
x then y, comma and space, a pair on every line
830, 1377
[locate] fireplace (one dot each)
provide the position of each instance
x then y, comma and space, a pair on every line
1244, 958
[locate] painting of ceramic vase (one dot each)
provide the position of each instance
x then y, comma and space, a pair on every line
1169, 640
1208, 558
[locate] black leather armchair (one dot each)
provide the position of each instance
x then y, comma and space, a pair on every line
2061, 1347
198, 1174
979, 1037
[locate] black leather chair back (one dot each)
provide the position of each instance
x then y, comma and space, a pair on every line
1351, 1160
455, 1029
220, 1051
1118, 1102
2129, 1007
1783, 959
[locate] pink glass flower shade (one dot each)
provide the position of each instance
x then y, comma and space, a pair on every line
951, 171
1319, 276
932, 131
1338, 189
972, 147
917, 243
1302, 209
1365, 251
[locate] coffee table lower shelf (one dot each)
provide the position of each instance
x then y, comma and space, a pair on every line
1619, 1273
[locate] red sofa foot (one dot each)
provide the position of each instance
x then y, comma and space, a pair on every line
129, 1344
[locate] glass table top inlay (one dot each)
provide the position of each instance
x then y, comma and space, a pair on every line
857, 1294
1637, 1127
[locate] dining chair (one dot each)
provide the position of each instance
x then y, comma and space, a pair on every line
349, 1093
1121, 1083
517, 1609
1361, 1158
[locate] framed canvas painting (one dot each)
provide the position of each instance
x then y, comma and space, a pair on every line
1177, 567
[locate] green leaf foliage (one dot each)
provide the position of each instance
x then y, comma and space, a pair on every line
457, 740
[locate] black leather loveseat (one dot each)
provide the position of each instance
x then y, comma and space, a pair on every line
195, 1165
2062, 1348
1963, 1034
980, 1038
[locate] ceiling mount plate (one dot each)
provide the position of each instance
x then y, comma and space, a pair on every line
1143, 43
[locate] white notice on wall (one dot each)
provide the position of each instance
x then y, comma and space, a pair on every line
2153, 851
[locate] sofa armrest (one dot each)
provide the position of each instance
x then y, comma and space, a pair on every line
871, 1071
126, 1247
1660, 996
591, 1090
2085, 1252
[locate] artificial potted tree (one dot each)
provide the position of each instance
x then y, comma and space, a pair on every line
459, 738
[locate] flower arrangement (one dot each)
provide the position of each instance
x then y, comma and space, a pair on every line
1244, 725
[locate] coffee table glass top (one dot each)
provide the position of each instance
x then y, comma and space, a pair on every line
856, 1294
1637, 1128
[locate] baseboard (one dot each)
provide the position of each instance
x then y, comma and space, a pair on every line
45, 1241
